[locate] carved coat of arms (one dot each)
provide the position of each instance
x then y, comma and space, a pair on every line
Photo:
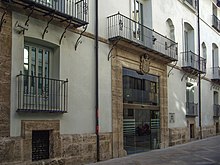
145, 64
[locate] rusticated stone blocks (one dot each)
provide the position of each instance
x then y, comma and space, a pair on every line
10, 149
5, 72
83, 148
178, 136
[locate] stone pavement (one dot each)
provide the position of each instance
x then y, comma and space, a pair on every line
200, 152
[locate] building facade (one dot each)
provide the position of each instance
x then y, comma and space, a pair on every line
81, 83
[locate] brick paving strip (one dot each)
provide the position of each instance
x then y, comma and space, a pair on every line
199, 152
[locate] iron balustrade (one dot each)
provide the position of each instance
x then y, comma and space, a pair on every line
216, 22
74, 10
122, 27
40, 94
216, 110
191, 109
216, 73
191, 60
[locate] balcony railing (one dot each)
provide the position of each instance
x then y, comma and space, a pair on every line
216, 22
191, 109
39, 94
75, 11
216, 73
122, 27
191, 62
216, 110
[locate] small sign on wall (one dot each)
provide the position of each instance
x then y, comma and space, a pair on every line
172, 117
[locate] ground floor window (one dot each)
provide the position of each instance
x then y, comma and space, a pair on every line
40, 145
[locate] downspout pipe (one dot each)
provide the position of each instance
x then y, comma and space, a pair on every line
97, 79
199, 83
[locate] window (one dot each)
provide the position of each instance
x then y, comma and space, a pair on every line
215, 97
188, 37
214, 10
137, 16
40, 145
36, 65
204, 50
142, 89
215, 59
189, 56
191, 4
39, 87
170, 29
189, 93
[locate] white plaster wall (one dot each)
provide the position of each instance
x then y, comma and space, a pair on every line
207, 104
180, 13
177, 98
79, 67
108, 8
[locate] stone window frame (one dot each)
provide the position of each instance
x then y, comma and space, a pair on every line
27, 126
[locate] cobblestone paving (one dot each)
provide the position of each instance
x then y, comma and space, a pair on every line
200, 152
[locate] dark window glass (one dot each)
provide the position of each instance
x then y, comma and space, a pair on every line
140, 88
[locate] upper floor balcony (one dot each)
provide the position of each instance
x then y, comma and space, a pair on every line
191, 109
216, 23
123, 28
216, 110
73, 11
192, 64
40, 94
216, 75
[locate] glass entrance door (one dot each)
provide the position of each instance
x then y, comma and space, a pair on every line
141, 130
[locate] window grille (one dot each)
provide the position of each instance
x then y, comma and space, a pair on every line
40, 145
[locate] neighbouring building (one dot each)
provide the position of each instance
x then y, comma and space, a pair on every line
146, 78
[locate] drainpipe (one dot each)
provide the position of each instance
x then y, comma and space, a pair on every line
97, 78
199, 83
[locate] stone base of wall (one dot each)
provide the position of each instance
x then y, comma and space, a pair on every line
80, 149
208, 131
182, 135
178, 136
75, 149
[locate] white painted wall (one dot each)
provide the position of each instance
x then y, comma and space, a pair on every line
79, 67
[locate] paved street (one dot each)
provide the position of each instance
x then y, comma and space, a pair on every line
200, 152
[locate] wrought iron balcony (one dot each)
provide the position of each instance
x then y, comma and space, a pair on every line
123, 28
40, 94
191, 109
74, 11
191, 63
216, 23
216, 75
216, 110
